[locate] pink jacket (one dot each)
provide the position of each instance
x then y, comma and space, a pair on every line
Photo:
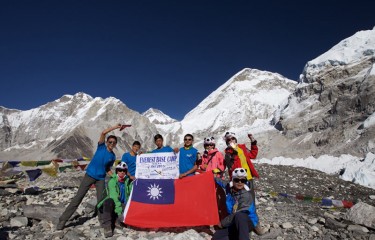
213, 160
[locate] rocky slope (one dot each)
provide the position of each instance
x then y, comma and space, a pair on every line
284, 218
328, 111
69, 127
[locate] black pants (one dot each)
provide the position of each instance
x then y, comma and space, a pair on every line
85, 185
108, 216
239, 230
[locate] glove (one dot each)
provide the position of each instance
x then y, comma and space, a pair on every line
251, 137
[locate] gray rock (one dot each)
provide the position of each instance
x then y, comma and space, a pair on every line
286, 225
42, 212
357, 228
312, 221
19, 222
72, 235
334, 225
363, 214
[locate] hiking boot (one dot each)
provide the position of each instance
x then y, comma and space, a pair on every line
108, 232
119, 223
60, 225
259, 230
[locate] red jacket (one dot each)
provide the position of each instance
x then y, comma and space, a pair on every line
252, 154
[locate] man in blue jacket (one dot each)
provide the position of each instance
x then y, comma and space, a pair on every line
242, 217
96, 171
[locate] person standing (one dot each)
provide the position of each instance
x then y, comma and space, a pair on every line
188, 157
158, 139
130, 159
237, 155
212, 159
96, 171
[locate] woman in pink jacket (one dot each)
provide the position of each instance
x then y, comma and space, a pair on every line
212, 159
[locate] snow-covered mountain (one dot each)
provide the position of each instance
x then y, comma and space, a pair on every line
69, 128
168, 127
243, 104
332, 109
158, 117
355, 49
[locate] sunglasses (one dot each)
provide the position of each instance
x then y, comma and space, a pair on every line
188, 139
209, 145
121, 170
112, 142
237, 180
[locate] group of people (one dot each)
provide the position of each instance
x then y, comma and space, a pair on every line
239, 216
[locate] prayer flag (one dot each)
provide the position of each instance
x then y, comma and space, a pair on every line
33, 174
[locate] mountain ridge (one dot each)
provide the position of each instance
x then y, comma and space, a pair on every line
329, 111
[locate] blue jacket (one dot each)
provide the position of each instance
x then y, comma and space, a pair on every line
245, 203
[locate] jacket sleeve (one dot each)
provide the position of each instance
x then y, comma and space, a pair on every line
204, 162
249, 154
220, 161
229, 157
253, 152
227, 221
114, 194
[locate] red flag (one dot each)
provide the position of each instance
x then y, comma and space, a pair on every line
194, 203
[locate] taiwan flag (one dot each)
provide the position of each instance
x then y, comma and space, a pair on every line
190, 201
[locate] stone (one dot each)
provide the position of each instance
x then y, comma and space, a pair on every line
363, 214
328, 215
286, 225
357, 228
334, 225
312, 221
42, 212
19, 222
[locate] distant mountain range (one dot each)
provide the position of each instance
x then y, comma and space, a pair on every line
329, 111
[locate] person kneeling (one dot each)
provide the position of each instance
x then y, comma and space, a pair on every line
242, 217
112, 206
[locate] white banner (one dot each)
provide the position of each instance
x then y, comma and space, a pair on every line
157, 166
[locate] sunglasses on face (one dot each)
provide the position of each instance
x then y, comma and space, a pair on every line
237, 180
121, 170
112, 142
188, 139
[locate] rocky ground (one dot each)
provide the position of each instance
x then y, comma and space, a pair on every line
32, 215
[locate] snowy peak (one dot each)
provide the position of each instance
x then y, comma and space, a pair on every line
248, 98
158, 117
69, 127
247, 87
353, 49
330, 109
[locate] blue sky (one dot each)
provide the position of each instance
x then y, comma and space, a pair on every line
168, 55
